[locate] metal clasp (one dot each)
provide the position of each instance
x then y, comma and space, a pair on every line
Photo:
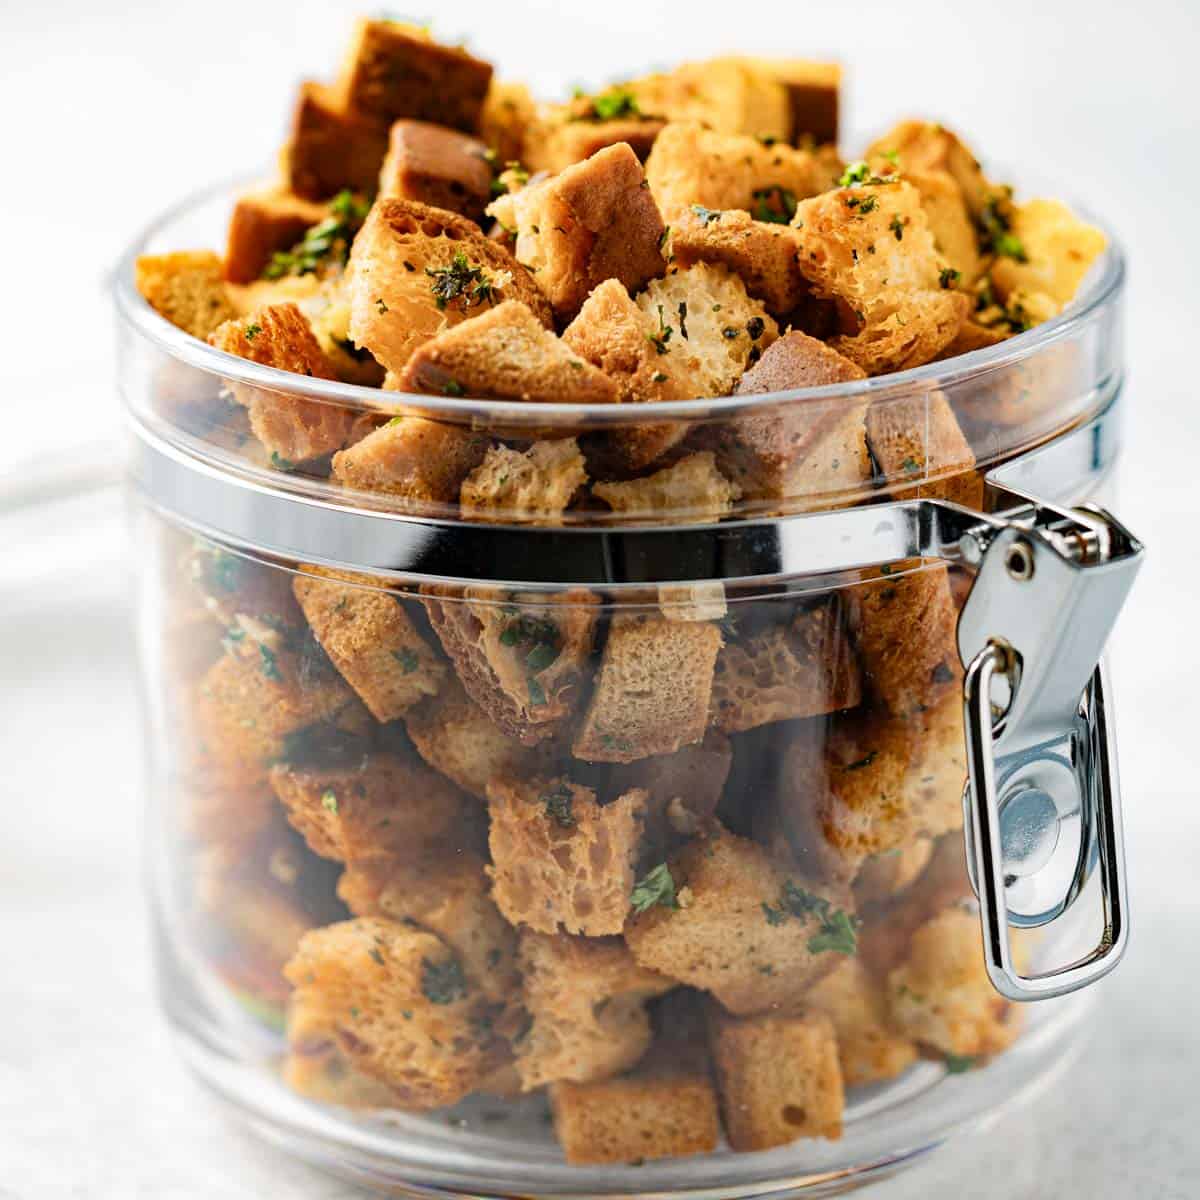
1042, 801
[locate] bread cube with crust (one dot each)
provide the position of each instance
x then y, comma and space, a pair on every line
508, 113
954, 233
652, 691
690, 490
591, 222
395, 69
778, 1078
263, 222
869, 248
561, 860
437, 166
397, 1005
185, 287
533, 486
740, 926
562, 137
813, 91
586, 999
415, 271
331, 147
371, 640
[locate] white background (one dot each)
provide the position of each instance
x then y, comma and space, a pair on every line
108, 114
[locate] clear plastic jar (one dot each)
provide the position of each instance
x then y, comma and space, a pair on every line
614, 855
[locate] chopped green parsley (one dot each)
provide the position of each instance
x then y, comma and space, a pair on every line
656, 887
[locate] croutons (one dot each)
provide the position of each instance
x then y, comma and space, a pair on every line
652, 691
690, 490
813, 92
331, 147
586, 998
954, 235
292, 429
778, 1078
733, 923
508, 112
508, 354
930, 146
533, 486
437, 166
397, 1005
316, 1068
415, 271
370, 639
263, 223
185, 287
560, 858
592, 222
562, 137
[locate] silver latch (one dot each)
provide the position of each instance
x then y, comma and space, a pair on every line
1042, 802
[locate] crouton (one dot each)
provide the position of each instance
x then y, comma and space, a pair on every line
508, 112
883, 876
941, 995
534, 486
415, 271
437, 166
232, 588
185, 287
813, 92
330, 147
778, 1078
949, 219
562, 138
700, 169
508, 354
869, 1048
869, 248
761, 253
293, 429
315, 1068
723, 917
693, 601
803, 668
591, 222
393, 69
973, 337
396, 1003
652, 691
454, 736
560, 858
421, 462
586, 999
521, 659
445, 891
690, 490
370, 639
262, 223
381, 806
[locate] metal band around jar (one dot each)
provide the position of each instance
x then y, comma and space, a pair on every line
251, 516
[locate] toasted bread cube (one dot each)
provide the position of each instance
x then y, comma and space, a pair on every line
437, 166
652, 691
941, 995
586, 998
521, 659
446, 892
804, 668
591, 222
262, 223
869, 248
415, 271
331, 148
690, 490
561, 860
693, 166
531, 487
563, 139
869, 1049
778, 1078
396, 1003
813, 92
954, 235
394, 69
508, 354
317, 1069
185, 287
508, 113
693, 601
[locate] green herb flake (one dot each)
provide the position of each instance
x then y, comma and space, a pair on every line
948, 277
959, 1064
269, 663
280, 463
656, 887
537, 694
706, 215
252, 331
442, 982
775, 204
863, 762
558, 805
660, 339
407, 659
325, 244
837, 934
381, 305
329, 801
859, 173
453, 388
460, 281
376, 955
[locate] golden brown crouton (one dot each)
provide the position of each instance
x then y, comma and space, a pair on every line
813, 95
509, 354
690, 490
262, 223
437, 166
532, 487
508, 111
778, 1078
869, 1048
293, 429
316, 1068
591, 222
232, 587
370, 639
803, 668
185, 287
522, 659
415, 271
586, 998
954, 235
720, 915
331, 148
652, 691
869, 248
394, 69
973, 337
693, 166
378, 807
560, 858
396, 1003
562, 138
